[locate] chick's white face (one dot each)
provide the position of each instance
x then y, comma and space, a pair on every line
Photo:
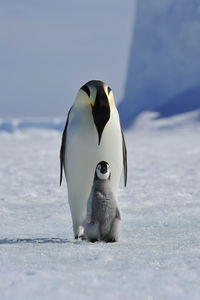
103, 171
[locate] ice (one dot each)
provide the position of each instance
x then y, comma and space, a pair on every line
158, 256
164, 66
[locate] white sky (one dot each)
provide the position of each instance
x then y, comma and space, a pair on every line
50, 48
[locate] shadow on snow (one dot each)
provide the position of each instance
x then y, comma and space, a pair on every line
35, 241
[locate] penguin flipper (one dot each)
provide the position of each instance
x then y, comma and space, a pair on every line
124, 157
62, 148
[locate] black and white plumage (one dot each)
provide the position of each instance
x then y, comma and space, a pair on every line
92, 133
103, 215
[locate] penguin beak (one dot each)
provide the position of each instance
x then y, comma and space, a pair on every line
101, 113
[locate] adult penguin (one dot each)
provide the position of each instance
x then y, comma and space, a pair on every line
92, 133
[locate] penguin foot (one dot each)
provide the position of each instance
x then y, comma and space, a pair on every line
79, 232
93, 240
111, 240
81, 237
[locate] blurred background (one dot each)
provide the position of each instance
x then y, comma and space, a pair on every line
164, 66
148, 52
50, 48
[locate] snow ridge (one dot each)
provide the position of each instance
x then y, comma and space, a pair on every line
12, 125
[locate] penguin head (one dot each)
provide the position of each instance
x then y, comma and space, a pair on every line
102, 171
99, 98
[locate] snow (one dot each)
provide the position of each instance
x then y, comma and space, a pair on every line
158, 256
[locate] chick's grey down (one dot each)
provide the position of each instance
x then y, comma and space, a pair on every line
104, 208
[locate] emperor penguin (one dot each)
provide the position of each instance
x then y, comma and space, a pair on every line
103, 215
92, 133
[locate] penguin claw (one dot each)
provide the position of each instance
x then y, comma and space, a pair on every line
93, 240
81, 237
110, 240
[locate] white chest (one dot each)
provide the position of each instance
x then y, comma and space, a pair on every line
84, 153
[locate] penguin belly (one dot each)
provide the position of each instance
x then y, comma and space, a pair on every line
82, 155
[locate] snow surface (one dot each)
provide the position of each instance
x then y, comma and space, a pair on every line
158, 256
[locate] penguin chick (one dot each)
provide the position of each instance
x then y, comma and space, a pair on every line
103, 216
